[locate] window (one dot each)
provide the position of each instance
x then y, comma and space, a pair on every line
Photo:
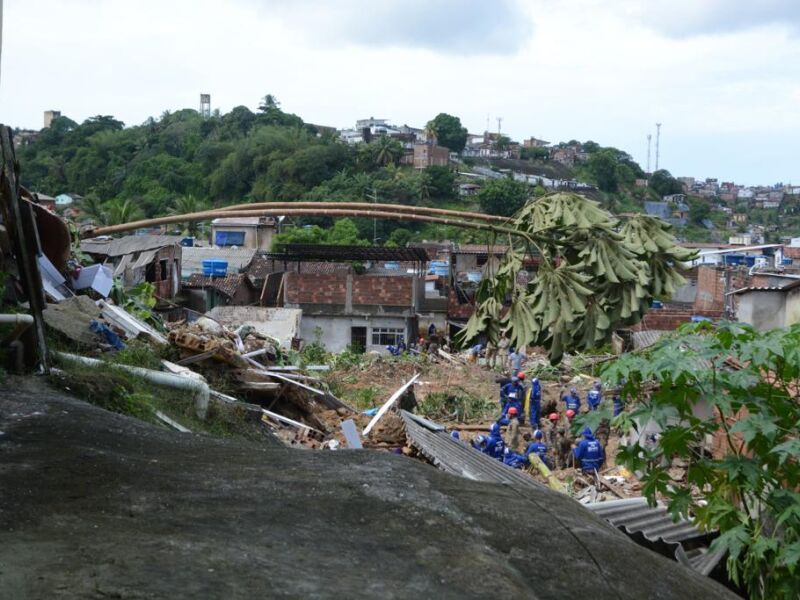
229, 238
163, 267
384, 336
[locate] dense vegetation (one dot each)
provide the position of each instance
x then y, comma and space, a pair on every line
739, 385
183, 162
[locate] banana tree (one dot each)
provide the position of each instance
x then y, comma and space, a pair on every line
595, 274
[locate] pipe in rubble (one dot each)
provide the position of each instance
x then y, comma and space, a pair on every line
200, 389
22, 322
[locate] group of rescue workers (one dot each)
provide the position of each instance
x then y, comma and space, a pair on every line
518, 401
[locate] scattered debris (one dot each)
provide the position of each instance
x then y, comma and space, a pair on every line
388, 404
172, 423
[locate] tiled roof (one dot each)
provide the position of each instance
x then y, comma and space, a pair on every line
262, 265
227, 285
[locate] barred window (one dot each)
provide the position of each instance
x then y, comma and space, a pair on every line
385, 336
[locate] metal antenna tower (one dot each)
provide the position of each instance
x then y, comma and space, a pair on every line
658, 137
499, 123
649, 137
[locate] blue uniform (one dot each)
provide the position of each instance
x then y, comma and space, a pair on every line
495, 446
617, 405
593, 399
514, 460
573, 402
539, 449
589, 452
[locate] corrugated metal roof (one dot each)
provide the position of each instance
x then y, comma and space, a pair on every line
458, 458
128, 244
645, 339
244, 221
636, 518
227, 285
237, 258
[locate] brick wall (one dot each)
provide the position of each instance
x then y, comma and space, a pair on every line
456, 310
711, 288
311, 288
384, 291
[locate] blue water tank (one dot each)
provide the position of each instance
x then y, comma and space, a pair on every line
214, 267
391, 266
656, 304
474, 276
750, 260
440, 268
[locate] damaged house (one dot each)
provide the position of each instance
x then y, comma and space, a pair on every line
365, 297
135, 259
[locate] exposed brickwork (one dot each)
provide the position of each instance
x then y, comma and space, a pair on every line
383, 291
456, 310
711, 287
310, 288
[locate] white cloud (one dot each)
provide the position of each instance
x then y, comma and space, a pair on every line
553, 69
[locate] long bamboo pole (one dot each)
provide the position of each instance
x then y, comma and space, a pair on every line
422, 210
319, 212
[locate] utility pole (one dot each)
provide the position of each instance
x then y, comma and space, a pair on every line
499, 123
649, 137
374, 198
658, 138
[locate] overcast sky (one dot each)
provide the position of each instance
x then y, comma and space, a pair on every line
721, 75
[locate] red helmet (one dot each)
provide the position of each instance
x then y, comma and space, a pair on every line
553, 417
520, 375
570, 413
512, 410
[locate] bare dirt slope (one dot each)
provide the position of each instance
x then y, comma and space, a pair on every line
97, 505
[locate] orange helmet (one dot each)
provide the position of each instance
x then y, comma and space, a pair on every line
520, 375
570, 413
512, 410
553, 417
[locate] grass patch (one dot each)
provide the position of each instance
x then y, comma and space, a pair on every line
459, 405
121, 392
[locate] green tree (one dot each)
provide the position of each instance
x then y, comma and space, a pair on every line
188, 204
699, 211
387, 151
503, 197
602, 167
534, 153
664, 184
449, 131
121, 211
442, 182
747, 381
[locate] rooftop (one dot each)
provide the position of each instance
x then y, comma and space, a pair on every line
127, 245
373, 253
228, 285
244, 221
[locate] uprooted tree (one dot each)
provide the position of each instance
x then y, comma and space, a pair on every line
594, 275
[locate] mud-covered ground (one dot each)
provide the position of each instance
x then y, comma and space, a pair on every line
98, 505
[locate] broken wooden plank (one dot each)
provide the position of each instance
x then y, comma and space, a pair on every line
553, 483
388, 404
294, 382
195, 358
174, 424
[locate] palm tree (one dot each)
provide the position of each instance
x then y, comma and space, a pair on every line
93, 208
188, 204
430, 133
388, 151
121, 211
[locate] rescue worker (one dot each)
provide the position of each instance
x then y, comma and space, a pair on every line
491, 354
475, 353
563, 448
495, 443
538, 448
573, 400
589, 453
595, 396
394, 350
533, 402
570, 414
455, 435
479, 443
552, 426
431, 329
514, 460
516, 360
502, 350
512, 391
603, 432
